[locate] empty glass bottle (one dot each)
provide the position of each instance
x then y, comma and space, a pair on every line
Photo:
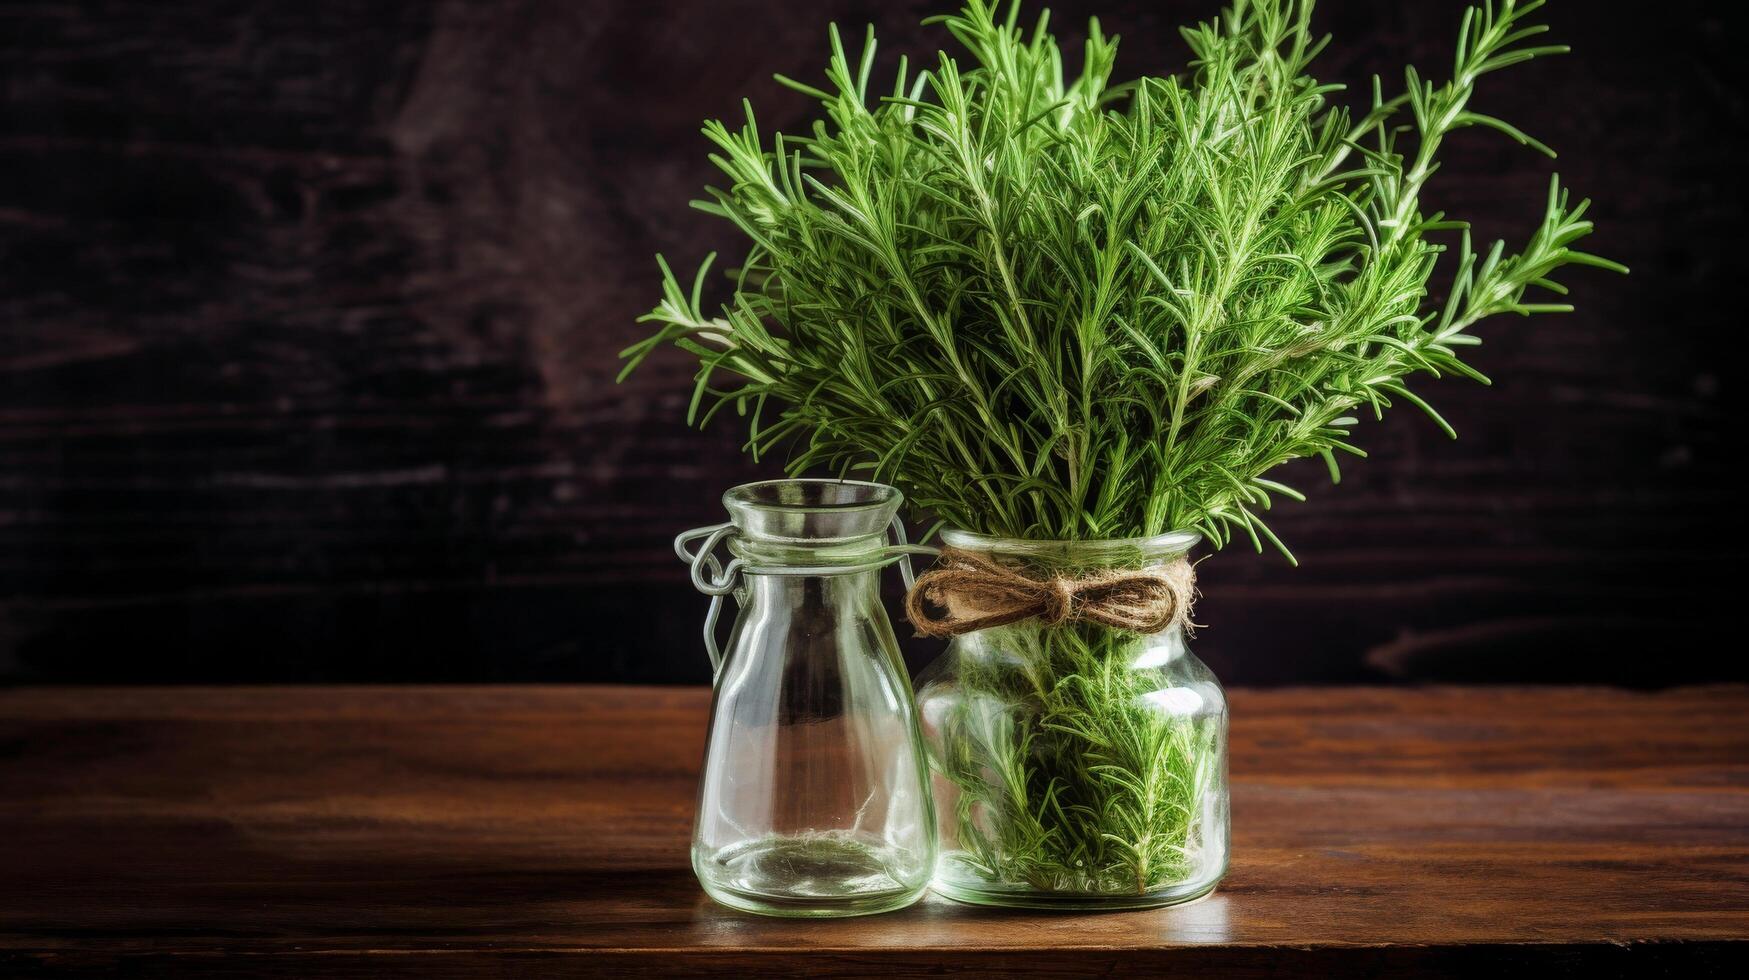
814, 798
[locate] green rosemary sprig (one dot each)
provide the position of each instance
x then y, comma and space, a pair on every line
1068, 308
1066, 777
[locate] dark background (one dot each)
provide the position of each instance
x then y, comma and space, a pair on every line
311, 312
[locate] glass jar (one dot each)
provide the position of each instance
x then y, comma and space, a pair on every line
814, 797
1077, 765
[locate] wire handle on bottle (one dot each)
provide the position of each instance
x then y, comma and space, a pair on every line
717, 579
720, 582
904, 549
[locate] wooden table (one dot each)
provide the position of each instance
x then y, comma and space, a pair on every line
534, 831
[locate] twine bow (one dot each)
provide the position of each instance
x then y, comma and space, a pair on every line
977, 593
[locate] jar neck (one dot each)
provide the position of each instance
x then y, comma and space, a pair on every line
836, 557
840, 590
1058, 554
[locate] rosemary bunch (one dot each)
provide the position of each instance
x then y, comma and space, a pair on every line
1081, 308
1066, 777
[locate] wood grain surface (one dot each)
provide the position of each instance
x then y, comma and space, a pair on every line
522, 831
309, 314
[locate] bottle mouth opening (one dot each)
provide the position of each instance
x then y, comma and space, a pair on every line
829, 496
813, 512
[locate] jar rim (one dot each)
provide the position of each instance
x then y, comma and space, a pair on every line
813, 495
1168, 543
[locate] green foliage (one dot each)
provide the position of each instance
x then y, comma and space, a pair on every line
1076, 309
1068, 777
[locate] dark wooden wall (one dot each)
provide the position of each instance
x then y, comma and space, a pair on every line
311, 310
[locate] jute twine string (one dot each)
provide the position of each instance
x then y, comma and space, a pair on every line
976, 593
